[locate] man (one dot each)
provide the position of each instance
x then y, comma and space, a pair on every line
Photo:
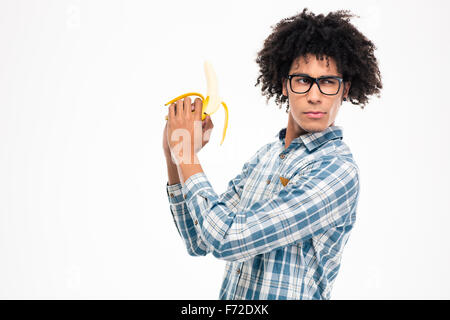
283, 222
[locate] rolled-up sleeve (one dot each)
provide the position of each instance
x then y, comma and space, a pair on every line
321, 196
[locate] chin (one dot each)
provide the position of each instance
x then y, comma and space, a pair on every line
313, 126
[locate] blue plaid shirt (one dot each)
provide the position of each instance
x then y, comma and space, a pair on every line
282, 223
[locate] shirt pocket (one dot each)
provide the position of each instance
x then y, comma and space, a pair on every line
279, 182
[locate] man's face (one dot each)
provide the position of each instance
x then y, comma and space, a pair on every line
314, 100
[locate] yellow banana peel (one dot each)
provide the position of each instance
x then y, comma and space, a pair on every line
212, 102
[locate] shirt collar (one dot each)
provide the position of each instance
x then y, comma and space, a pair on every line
313, 140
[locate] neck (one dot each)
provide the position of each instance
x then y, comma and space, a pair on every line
293, 131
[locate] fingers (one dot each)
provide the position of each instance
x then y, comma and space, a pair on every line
187, 107
198, 105
179, 109
184, 108
172, 111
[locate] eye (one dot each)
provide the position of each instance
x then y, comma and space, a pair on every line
302, 80
328, 81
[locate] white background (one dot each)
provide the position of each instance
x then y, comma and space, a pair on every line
83, 207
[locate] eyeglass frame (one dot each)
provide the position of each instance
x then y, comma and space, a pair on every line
316, 81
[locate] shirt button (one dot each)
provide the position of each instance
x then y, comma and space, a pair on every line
238, 271
268, 181
184, 196
282, 156
171, 195
196, 222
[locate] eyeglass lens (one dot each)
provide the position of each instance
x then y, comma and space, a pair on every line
301, 84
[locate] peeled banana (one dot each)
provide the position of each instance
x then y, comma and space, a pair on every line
212, 102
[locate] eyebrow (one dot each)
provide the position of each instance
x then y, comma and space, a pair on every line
326, 75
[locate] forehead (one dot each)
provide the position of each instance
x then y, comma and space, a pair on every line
313, 66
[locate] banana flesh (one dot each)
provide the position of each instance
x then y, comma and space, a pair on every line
212, 102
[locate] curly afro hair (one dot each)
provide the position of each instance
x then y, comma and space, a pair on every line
330, 36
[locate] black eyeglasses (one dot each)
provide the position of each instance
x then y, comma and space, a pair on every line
302, 83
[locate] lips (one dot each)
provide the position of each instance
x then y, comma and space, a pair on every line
314, 114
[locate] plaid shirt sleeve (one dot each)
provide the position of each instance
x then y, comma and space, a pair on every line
183, 220
320, 197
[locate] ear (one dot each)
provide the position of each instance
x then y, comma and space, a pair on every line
347, 85
283, 82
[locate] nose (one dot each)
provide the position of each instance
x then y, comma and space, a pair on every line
314, 95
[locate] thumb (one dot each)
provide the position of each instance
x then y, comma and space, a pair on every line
209, 123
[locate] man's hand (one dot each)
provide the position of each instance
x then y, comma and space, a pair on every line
184, 120
165, 144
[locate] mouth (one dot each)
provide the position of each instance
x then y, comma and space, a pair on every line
314, 114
